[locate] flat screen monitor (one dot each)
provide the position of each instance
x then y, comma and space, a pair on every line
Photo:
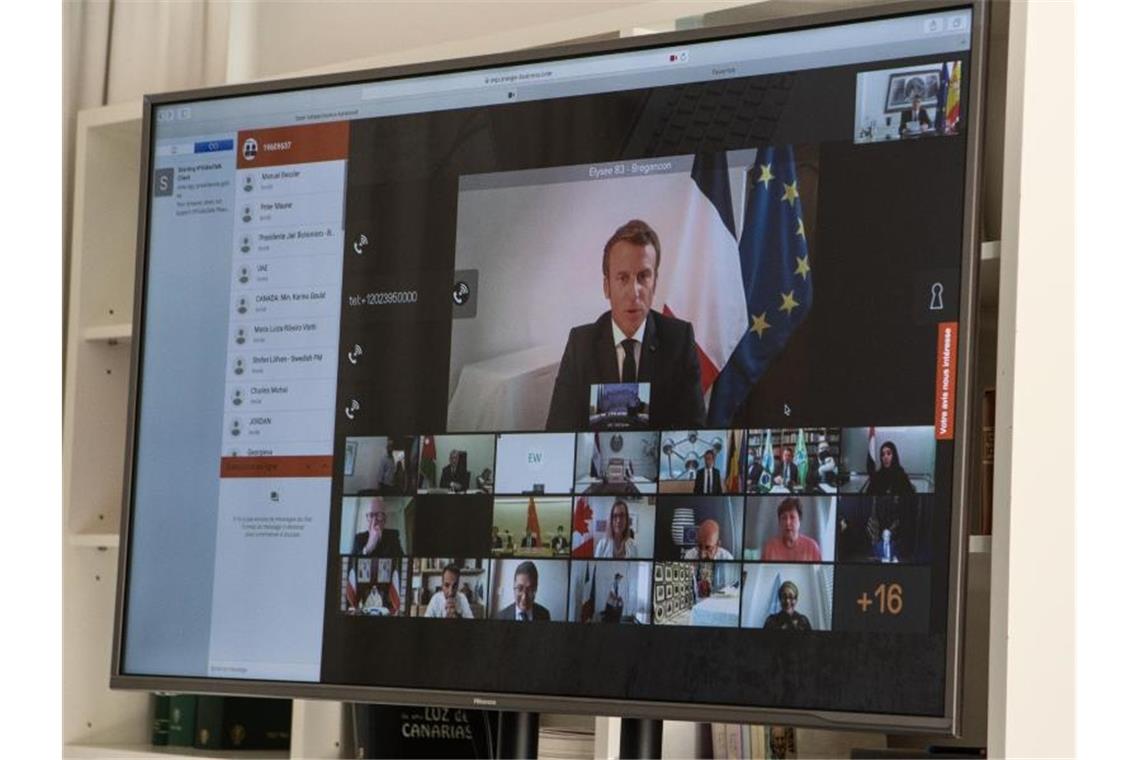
624, 378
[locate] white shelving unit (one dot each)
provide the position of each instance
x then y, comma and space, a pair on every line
95, 405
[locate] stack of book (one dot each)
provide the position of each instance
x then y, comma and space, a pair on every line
565, 742
231, 723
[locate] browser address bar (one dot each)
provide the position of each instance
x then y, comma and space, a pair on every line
448, 83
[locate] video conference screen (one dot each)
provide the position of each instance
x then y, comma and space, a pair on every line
626, 377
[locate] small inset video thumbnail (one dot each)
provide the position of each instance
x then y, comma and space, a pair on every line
702, 462
526, 526
696, 593
613, 527
619, 406
534, 463
524, 590
457, 464
787, 597
376, 526
370, 586
789, 528
886, 529
381, 465
887, 461
444, 587
909, 102
617, 463
610, 592
699, 527
800, 460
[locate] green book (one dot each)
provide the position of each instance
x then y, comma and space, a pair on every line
181, 726
256, 723
208, 722
160, 725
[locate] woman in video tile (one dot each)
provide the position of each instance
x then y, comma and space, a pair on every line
787, 619
618, 541
890, 479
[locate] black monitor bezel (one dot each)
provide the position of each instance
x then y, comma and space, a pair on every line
963, 474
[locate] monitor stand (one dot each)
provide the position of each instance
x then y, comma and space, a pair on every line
518, 735
640, 738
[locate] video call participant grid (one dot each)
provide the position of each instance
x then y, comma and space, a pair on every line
802, 461
714, 581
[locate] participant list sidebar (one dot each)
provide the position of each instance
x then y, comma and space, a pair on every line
280, 392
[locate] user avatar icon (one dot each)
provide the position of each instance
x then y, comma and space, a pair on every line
242, 305
235, 429
246, 214
239, 367
238, 397
245, 244
243, 275
239, 336
248, 185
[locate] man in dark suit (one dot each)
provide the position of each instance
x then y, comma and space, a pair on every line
786, 474
915, 116
708, 477
455, 476
525, 609
630, 343
377, 541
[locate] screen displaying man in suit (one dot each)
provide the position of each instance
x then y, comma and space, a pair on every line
914, 119
455, 476
525, 609
377, 541
787, 474
708, 477
630, 342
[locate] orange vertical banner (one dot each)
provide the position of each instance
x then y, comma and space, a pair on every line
945, 381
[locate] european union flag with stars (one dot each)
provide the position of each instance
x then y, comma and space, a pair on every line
776, 274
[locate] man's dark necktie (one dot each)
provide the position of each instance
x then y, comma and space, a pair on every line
628, 364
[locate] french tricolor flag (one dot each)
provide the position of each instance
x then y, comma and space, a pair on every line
701, 271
